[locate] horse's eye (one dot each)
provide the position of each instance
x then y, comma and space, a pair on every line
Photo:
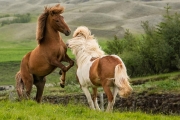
57, 20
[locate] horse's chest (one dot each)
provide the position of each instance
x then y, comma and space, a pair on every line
61, 53
57, 53
83, 75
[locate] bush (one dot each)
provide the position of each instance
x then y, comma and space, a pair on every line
24, 18
156, 52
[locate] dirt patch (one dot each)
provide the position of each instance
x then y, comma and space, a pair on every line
151, 103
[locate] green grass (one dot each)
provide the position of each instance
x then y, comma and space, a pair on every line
12, 54
30, 110
162, 83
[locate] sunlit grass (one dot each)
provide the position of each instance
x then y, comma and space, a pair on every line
30, 110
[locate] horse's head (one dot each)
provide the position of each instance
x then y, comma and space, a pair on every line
51, 18
57, 20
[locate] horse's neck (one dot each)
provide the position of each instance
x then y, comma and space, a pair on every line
52, 36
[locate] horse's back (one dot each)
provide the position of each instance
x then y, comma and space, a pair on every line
107, 64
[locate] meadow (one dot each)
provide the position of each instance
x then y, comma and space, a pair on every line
30, 110
13, 109
19, 38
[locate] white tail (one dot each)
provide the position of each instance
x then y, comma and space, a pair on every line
121, 80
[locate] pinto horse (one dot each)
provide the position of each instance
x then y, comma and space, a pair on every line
97, 69
47, 56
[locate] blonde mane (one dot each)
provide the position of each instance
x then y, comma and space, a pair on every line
85, 50
41, 25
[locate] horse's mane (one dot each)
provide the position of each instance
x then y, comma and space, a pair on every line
41, 25
83, 31
85, 50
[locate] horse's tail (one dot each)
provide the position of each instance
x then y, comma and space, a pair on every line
121, 80
19, 84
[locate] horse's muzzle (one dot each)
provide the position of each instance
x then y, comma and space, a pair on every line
67, 44
67, 33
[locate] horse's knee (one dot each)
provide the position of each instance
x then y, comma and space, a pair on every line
72, 63
64, 69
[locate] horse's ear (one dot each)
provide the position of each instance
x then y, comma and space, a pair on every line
58, 5
45, 8
57, 9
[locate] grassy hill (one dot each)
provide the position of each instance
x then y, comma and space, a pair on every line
104, 17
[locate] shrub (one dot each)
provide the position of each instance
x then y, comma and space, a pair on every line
157, 51
24, 18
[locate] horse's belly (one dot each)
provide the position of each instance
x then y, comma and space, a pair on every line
41, 68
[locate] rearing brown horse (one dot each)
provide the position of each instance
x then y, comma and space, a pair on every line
47, 56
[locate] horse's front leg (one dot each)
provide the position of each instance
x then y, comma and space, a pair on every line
69, 60
62, 78
63, 74
63, 68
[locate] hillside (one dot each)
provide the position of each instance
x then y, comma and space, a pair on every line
105, 18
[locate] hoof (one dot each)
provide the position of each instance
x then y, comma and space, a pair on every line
62, 85
60, 72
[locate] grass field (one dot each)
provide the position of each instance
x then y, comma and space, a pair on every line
30, 110
11, 53
18, 39
9, 65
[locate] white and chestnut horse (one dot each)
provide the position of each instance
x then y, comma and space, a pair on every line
97, 69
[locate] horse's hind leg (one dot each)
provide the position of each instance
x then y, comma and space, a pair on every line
39, 82
109, 96
94, 97
26, 76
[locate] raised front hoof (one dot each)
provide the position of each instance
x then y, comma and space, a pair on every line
60, 72
62, 85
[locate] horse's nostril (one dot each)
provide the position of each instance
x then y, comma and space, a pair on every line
67, 33
67, 44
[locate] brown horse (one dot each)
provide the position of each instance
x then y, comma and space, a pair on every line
47, 56
96, 69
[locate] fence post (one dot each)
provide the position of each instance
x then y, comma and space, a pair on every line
101, 101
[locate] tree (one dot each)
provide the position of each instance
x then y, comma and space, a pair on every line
157, 51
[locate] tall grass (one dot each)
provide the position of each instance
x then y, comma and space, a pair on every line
30, 110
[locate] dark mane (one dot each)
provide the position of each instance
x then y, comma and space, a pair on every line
41, 25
